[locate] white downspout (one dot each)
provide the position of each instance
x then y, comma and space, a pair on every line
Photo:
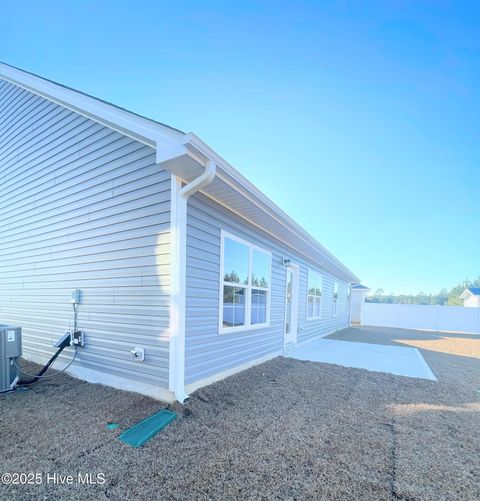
350, 305
178, 230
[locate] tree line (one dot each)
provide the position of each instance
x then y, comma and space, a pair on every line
443, 298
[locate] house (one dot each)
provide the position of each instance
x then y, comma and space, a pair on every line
359, 293
471, 297
174, 252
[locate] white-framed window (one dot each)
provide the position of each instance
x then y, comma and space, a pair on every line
335, 299
314, 295
245, 285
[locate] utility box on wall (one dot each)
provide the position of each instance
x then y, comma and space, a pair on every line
10, 350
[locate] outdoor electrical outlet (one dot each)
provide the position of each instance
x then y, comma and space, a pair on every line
138, 354
78, 339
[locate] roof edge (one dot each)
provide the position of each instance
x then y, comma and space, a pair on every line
124, 121
470, 291
244, 185
160, 136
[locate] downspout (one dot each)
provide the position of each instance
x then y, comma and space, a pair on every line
350, 305
180, 195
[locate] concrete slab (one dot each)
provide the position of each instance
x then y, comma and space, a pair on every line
373, 357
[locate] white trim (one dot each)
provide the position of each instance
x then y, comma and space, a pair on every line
99, 377
245, 242
172, 143
230, 372
125, 122
335, 299
253, 194
315, 296
349, 303
178, 231
175, 289
248, 287
295, 303
172, 149
282, 218
467, 294
288, 244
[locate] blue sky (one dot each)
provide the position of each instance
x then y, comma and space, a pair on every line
360, 119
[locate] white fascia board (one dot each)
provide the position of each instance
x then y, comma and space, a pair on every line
169, 144
328, 260
329, 270
254, 195
123, 121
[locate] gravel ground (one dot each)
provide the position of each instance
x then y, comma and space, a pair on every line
286, 429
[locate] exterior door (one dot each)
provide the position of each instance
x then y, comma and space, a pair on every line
291, 304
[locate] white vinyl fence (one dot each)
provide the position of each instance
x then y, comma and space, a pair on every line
430, 318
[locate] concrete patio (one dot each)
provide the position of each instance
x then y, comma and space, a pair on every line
286, 429
401, 361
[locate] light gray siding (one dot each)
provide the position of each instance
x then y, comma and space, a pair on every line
207, 351
328, 323
82, 206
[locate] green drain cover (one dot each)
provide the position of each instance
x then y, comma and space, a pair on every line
143, 431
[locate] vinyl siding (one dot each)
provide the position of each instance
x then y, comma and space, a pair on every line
328, 323
208, 352
82, 206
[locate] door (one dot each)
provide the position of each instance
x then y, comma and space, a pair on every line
291, 304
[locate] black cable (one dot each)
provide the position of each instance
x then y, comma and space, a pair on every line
48, 364
40, 375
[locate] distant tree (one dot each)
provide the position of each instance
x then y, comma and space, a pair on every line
453, 295
232, 277
443, 298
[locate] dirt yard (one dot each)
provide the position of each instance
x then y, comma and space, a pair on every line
283, 430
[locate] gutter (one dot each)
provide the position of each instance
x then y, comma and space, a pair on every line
178, 231
239, 183
169, 144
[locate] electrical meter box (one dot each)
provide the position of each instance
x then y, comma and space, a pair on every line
75, 296
10, 350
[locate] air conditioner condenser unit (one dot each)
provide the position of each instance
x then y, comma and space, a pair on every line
10, 350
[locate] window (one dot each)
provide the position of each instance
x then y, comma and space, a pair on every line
314, 295
245, 285
335, 299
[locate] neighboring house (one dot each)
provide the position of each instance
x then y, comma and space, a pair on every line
471, 297
359, 293
173, 250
